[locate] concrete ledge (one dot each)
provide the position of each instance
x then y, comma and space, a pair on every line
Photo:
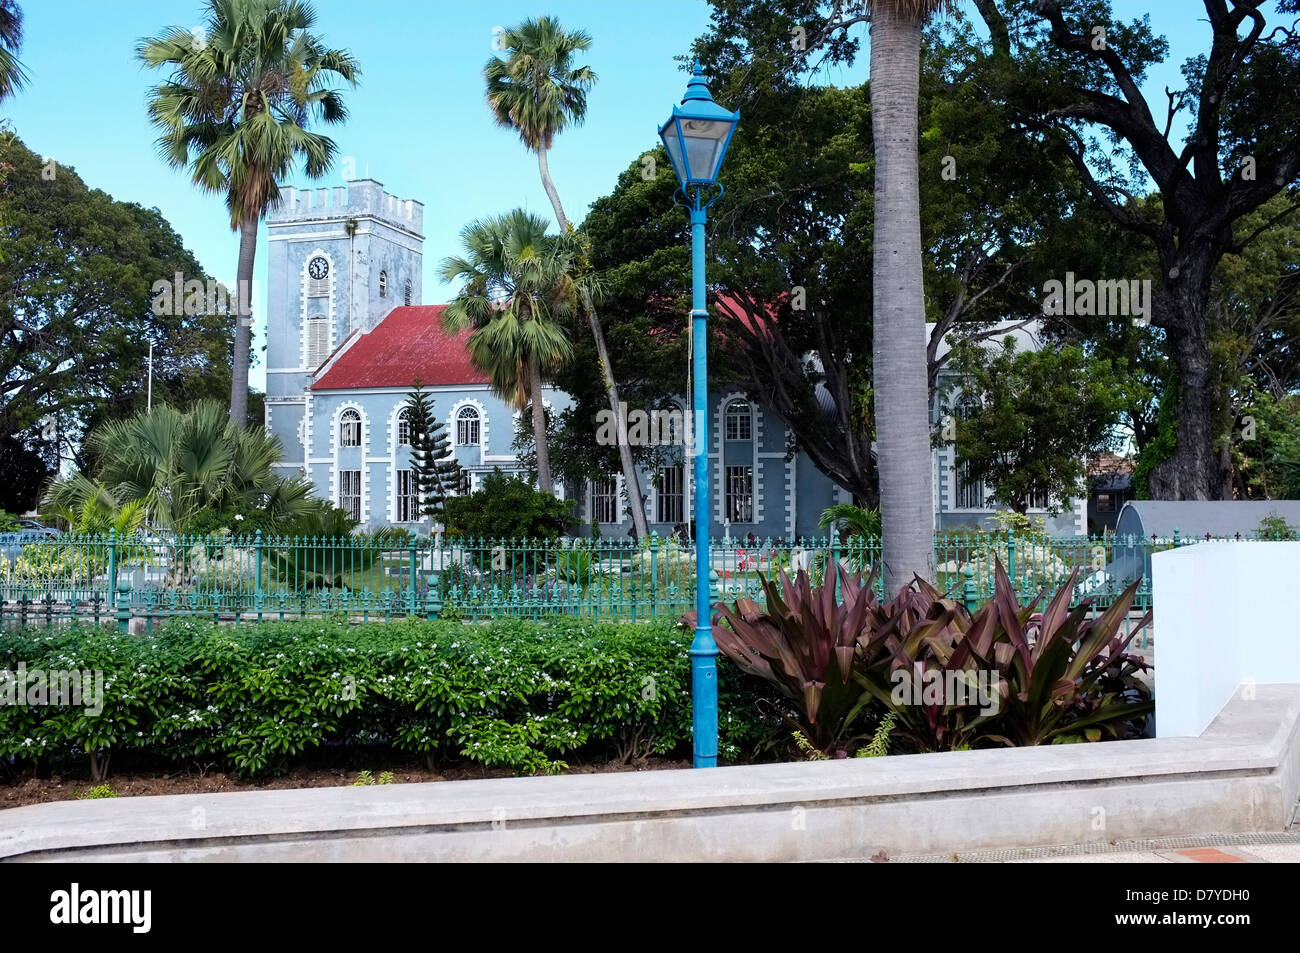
1241, 775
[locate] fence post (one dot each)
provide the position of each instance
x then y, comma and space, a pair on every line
970, 594
413, 579
123, 607
834, 567
1011, 560
258, 595
654, 574
112, 564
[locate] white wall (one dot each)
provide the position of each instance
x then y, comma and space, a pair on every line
1225, 614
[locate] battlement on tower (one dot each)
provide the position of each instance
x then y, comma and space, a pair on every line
360, 198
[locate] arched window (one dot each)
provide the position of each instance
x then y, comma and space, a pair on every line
738, 421
406, 295
318, 340
404, 428
467, 423
383, 284
349, 429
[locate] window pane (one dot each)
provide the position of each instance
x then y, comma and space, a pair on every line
467, 434
740, 494
604, 501
738, 421
350, 492
407, 508
670, 498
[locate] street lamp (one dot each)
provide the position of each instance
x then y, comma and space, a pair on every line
696, 137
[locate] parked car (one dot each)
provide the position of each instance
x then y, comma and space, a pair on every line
36, 527
28, 531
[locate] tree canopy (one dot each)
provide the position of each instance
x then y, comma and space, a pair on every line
76, 318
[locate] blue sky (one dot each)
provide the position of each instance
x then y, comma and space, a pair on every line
418, 120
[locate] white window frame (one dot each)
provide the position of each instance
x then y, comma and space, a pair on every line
350, 428
350, 492
739, 506
407, 502
467, 415
605, 501
668, 494
734, 421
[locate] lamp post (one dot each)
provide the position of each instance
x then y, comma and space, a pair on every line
696, 137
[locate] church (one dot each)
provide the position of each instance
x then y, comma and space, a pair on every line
348, 337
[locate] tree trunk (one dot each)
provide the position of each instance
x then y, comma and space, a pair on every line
243, 322
899, 345
630, 478
1188, 474
1194, 472
539, 427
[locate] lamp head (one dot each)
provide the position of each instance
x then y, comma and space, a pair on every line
697, 134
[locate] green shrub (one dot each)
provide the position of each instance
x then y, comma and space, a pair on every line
1276, 528
98, 791
1019, 675
507, 508
254, 698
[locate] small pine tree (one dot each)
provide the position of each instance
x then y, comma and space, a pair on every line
434, 474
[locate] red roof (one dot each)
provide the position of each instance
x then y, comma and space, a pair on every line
409, 343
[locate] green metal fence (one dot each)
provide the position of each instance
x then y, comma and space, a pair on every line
148, 578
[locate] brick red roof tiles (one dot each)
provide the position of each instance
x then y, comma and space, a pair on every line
409, 343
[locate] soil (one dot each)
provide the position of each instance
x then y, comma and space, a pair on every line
27, 789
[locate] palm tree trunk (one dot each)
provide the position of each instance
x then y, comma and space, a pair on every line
899, 346
539, 427
630, 478
243, 322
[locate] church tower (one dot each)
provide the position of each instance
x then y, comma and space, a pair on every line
340, 260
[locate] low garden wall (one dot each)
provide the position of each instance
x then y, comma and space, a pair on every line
1241, 775
1232, 615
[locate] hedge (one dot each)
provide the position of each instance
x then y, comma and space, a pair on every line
253, 698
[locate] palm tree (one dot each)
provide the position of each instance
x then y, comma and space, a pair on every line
517, 287
898, 306
538, 92
12, 74
178, 465
235, 111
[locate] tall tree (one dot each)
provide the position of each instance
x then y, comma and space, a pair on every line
435, 474
899, 369
12, 74
517, 290
235, 110
539, 92
1069, 69
77, 315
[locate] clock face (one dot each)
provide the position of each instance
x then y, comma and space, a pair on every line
318, 268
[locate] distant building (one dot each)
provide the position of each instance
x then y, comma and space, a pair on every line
348, 336
1110, 486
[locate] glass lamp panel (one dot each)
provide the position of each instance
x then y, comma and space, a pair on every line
671, 136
